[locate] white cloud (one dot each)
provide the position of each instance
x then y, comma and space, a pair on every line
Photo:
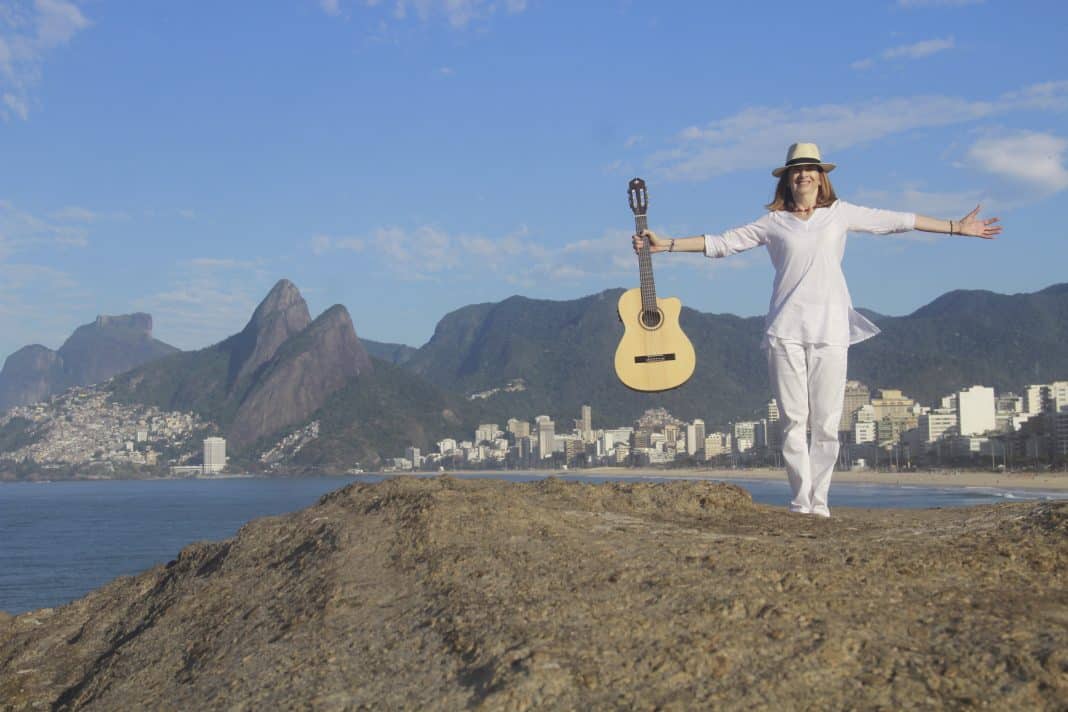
20, 230
28, 32
937, 3
1035, 160
918, 50
208, 300
321, 244
459, 14
755, 137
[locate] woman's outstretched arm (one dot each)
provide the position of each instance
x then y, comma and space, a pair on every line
660, 243
970, 225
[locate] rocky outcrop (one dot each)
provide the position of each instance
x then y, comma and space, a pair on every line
93, 353
446, 594
281, 315
298, 379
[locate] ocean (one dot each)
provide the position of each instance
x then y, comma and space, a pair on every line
60, 540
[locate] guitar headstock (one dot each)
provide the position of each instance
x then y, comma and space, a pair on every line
638, 197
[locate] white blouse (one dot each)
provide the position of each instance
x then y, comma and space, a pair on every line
810, 302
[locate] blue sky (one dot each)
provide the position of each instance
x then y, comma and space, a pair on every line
408, 157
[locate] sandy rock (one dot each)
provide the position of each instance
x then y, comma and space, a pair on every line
444, 594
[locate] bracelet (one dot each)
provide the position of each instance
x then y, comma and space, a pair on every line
951, 228
671, 248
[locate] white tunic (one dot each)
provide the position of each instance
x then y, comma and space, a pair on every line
810, 302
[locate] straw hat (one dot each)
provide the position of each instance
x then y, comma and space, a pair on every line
803, 154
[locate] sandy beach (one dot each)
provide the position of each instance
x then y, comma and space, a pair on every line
947, 478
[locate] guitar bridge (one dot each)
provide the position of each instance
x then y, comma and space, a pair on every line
654, 358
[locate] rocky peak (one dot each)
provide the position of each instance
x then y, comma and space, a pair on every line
139, 321
301, 376
281, 315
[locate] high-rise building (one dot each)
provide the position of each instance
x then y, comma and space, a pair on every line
1058, 396
695, 436
519, 428
856, 395
214, 455
486, 432
587, 421
937, 423
546, 436
744, 435
975, 410
413, 455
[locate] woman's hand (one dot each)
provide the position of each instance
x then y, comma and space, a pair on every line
971, 225
656, 243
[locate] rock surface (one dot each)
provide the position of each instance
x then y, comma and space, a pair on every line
92, 354
444, 594
282, 314
300, 377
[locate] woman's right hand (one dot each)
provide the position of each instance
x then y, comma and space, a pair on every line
656, 243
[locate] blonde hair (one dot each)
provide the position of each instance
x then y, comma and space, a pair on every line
784, 197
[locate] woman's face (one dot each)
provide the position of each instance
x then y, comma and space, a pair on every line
805, 180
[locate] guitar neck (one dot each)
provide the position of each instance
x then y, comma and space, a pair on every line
645, 266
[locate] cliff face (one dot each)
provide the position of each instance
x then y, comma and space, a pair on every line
29, 376
92, 354
571, 596
281, 315
298, 379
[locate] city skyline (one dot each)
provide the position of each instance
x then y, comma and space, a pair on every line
178, 161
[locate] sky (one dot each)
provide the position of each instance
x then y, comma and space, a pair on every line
406, 158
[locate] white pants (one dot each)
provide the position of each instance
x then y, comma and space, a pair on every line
809, 385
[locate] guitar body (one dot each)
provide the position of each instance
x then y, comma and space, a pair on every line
654, 354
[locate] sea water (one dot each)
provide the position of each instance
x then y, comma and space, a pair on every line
60, 540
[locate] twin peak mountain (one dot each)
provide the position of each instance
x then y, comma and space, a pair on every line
279, 370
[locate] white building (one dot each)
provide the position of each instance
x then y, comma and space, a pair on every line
412, 455
975, 410
214, 455
447, 446
486, 432
546, 436
695, 436
934, 425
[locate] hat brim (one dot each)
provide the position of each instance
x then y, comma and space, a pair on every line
827, 168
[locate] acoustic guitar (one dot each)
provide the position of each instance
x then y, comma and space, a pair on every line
654, 354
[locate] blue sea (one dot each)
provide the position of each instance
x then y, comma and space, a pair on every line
60, 540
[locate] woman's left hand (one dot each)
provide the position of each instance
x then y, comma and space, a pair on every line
971, 225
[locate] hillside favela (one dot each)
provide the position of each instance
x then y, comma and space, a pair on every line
128, 427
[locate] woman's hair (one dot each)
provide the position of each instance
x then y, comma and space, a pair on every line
784, 197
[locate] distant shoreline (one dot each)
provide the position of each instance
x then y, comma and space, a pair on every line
949, 478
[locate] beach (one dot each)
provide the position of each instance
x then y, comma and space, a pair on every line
1049, 481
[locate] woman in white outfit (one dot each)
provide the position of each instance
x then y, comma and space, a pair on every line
811, 322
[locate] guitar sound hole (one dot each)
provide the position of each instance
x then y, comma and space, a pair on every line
652, 319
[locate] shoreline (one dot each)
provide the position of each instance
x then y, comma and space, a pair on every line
952, 478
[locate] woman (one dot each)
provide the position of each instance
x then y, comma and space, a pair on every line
811, 322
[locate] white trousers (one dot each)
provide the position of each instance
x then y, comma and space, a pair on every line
809, 385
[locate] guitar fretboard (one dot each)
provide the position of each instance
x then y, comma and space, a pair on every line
645, 267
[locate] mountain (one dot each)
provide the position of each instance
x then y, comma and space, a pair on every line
283, 371
562, 351
393, 353
969, 337
93, 353
297, 378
